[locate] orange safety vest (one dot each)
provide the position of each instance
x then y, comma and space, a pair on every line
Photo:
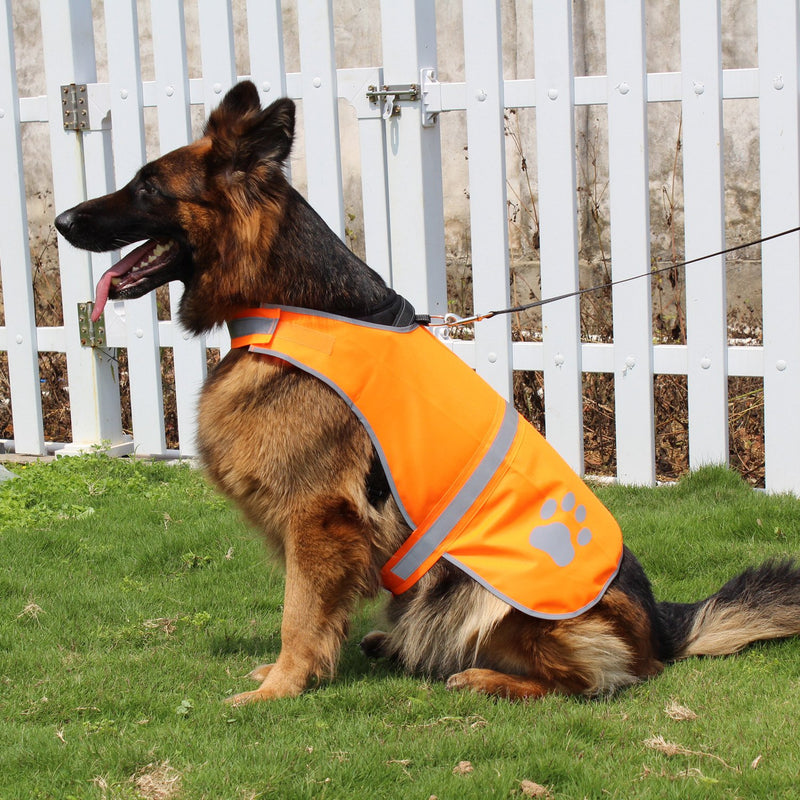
477, 484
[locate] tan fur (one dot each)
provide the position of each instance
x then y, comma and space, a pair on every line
293, 457
722, 630
290, 453
436, 638
255, 234
469, 629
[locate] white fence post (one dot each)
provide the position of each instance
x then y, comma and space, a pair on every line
353, 87
555, 130
321, 112
403, 214
375, 195
219, 74
630, 240
265, 37
175, 130
144, 362
68, 44
414, 160
778, 43
15, 259
216, 50
704, 220
483, 57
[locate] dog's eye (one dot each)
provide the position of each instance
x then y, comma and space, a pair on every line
148, 188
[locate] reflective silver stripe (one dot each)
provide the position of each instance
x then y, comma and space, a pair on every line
540, 614
248, 326
466, 496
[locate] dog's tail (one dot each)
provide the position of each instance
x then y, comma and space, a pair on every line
761, 603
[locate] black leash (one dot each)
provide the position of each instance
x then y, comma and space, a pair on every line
451, 320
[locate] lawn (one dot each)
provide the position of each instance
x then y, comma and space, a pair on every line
133, 600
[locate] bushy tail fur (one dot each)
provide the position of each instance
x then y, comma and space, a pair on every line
761, 603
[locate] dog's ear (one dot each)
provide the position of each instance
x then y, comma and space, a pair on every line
271, 138
266, 136
241, 99
234, 114
243, 135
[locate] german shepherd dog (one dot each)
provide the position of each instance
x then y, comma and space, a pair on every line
220, 216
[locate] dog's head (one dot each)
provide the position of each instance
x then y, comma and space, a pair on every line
203, 210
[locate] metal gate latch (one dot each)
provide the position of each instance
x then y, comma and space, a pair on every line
392, 95
93, 334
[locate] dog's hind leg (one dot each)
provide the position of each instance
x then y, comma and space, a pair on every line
498, 684
327, 568
594, 654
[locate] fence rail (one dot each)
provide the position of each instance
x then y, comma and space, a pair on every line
400, 159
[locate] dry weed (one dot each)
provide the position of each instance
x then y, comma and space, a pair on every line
471, 722
166, 625
158, 781
31, 612
660, 744
676, 711
403, 763
102, 784
531, 789
684, 774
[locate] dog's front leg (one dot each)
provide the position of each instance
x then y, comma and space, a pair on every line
326, 565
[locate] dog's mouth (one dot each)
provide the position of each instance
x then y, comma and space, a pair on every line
145, 268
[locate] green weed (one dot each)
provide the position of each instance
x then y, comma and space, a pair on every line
121, 632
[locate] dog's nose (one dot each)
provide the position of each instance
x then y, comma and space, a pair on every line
64, 222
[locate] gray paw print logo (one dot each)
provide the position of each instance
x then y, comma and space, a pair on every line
555, 538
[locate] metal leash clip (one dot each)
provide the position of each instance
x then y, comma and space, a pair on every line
444, 329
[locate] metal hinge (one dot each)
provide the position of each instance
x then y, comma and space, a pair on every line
93, 334
74, 107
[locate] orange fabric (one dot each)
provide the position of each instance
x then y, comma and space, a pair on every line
253, 338
532, 532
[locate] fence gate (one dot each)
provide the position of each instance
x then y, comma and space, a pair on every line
106, 110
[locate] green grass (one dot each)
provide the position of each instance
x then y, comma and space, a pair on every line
133, 600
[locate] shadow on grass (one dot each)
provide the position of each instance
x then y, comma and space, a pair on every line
223, 645
353, 665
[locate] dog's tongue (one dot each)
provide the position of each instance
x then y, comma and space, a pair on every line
122, 267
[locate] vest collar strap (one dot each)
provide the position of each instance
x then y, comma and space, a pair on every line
253, 326
256, 326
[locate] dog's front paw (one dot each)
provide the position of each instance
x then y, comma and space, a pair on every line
373, 645
262, 693
246, 698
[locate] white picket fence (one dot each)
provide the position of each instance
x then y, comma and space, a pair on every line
401, 168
